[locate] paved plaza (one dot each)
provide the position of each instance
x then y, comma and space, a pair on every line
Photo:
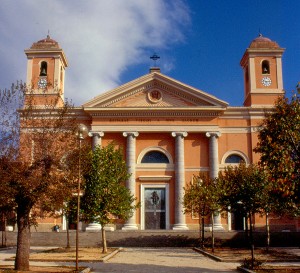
162, 260
146, 260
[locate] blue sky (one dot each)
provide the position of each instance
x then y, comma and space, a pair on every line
109, 43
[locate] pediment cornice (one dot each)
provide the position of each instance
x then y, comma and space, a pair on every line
210, 112
136, 94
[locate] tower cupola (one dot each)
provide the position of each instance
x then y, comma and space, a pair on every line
262, 65
46, 71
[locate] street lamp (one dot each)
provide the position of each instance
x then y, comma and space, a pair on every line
81, 133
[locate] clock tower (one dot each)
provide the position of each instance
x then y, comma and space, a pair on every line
262, 65
45, 73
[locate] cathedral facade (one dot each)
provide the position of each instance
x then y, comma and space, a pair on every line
171, 131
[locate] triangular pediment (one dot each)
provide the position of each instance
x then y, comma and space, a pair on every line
155, 90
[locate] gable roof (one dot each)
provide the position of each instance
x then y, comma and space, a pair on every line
155, 90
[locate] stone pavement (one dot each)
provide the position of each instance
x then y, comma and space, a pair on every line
149, 260
162, 260
144, 260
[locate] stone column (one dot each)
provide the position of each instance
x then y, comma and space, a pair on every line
130, 183
179, 180
214, 169
96, 141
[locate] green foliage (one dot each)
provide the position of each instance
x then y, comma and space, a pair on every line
200, 196
200, 199
279, 146
105, 195
244, 188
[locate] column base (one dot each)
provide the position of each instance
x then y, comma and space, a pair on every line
180, 227
217, 221
130, 227
93, 227
218, 227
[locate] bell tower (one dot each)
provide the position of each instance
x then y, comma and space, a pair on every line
46, 64
262, 65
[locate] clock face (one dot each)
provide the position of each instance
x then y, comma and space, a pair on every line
266, 81
42, 83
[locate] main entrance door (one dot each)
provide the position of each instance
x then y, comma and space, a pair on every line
154, 203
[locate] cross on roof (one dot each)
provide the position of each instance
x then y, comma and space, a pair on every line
154, 57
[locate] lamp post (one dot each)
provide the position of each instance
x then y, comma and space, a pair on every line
81, 133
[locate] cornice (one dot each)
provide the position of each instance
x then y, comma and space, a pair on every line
155, 112
155, 128
47, 53
246, 112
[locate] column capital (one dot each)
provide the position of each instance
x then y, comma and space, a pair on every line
96, 134
134, 134
182, 134
211, 134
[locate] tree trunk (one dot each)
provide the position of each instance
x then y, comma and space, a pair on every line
200, 231
4, 230
23, 238
212, 233
246, 229
68, 233
251, 241
104, 244
5, 234
268, 231
202, 226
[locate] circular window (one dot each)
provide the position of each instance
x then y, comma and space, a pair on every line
154, 96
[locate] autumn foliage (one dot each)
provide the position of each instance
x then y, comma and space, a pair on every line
33, 143
279, 146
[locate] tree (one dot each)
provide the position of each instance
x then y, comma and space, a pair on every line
279, 146
105, 196
200, 198
245, 188
70, 165
32, 142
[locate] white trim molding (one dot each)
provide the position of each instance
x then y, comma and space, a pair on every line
154, 148
234, 152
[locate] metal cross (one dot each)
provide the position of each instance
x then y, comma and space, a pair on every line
154, 57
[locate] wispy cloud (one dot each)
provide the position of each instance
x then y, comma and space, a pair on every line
100, 38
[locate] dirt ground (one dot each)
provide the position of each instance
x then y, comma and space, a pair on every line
262, 255
63, 254
239, 255
37, 269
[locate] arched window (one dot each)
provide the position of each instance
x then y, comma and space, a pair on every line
155, 157
43, 69
265, 67
234, 159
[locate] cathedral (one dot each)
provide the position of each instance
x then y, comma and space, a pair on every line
169, 130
